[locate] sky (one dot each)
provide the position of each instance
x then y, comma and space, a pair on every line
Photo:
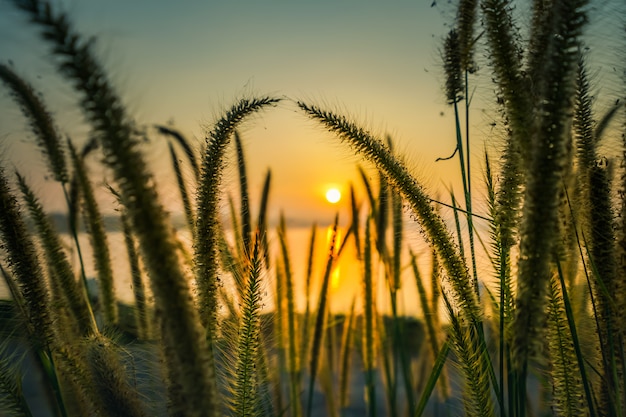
186, 62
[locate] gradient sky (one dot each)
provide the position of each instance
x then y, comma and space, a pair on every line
187, 61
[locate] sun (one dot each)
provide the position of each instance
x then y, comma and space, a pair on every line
333, 195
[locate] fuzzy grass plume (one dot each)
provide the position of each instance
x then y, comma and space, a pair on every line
115, 131
374, 150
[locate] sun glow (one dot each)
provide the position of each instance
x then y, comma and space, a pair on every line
333, 195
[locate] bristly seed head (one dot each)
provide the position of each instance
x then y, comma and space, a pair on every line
452, 67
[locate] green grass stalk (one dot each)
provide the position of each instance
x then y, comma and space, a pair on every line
345, 355
184, 194
244, 209
142, 315
184, 143
293, 359
435, 373
369, 344
430, 321
99, 242
320, 320
306, 330
246, 401
262, 218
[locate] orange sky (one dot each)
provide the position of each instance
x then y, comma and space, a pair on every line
377, 62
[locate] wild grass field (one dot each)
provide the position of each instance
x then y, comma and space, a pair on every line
539, 332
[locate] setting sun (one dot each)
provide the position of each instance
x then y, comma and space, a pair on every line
333, 195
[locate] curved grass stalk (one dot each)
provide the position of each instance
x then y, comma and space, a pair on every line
184, 194
207, 224
41, 122
184, 143
48, 140
397, 173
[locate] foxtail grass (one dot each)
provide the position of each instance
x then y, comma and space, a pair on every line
546, 163
397, 173
184, 143
74, 293
345, 356
369, 339
293, 356
25, 267
567, 385
207, 225
184, 193
142, 316
116, 396
432, 325
246, 401
115, 131
98, 237
595, 190
12, 400
477, 399
40, 122
320, 319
